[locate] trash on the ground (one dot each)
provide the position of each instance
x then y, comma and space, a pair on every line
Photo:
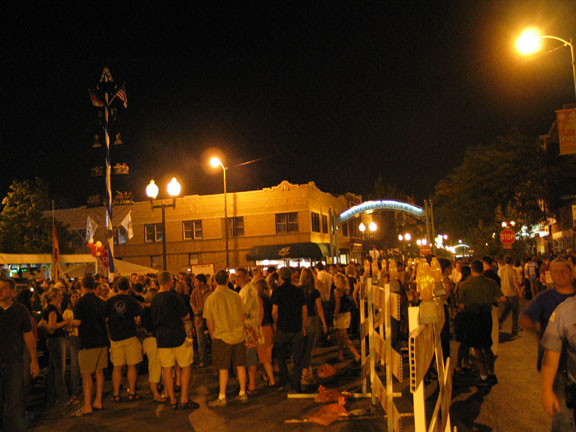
326, 371
328, 414
330, 395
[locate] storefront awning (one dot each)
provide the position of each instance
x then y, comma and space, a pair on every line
315, 251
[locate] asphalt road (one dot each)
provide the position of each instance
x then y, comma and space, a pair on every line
511, 405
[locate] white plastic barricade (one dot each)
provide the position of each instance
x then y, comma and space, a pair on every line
424, 343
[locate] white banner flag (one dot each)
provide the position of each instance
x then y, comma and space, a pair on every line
91, 227
127, 224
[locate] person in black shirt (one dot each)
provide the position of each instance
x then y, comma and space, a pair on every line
56, 344
15, 335
89, 317
290, 315
307, 284
168, 314
122, 311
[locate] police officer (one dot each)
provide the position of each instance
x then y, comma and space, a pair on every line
559, 365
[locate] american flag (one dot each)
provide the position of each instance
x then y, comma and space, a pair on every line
121, 94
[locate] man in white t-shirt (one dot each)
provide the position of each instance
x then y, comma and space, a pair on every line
510, 288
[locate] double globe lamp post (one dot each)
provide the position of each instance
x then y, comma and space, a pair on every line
174, 190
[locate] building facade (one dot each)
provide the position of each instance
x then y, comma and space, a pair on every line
284, 224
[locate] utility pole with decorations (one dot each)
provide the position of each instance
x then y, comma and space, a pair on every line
105, 97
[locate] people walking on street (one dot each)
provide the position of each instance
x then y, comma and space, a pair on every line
249, 298
559, 377
122, 313
314, 323
476, 295
168, 314
342, 315
198, 298
56, 392
539, 312
266, 346
510, 288
89, 317
15, 337
224, 314
289, 313
72, 345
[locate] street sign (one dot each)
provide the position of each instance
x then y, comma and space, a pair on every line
425, 250
507, 238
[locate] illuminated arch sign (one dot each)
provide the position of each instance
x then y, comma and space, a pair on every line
380, 205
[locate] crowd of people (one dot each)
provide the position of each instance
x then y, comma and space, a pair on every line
251, 323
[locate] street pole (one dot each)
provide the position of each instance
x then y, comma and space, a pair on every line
226, 218
571, 45
164, 266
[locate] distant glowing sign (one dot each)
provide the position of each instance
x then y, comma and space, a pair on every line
380, 205
566, 121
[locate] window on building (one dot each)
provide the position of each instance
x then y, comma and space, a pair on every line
236, 226
153, 233
120, 235
315, 222
156, 261
354, 231
345, 229
325, 224
192, 230
286, 223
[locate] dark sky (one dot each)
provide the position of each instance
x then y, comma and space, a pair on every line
335, 92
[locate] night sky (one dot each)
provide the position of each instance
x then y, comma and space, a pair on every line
335, 92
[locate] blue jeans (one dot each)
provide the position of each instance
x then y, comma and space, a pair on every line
312, 330
55, 379
511, 304
72, 343
12, 397
287, 344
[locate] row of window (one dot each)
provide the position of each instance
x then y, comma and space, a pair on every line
192, 230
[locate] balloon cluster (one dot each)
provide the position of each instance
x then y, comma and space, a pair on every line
97, 248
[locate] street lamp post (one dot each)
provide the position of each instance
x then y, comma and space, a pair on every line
174, 189
215, 162
529, 42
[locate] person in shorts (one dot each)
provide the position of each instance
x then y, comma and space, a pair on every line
168, 314
90, 318
122, 311
224, 314
476, 296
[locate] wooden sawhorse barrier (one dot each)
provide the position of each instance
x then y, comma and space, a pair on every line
379, 304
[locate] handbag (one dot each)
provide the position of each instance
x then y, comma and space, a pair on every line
250, 336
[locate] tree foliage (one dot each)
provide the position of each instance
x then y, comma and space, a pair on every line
23, 227
508, 178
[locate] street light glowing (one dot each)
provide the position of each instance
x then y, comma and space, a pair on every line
215, 162
152, 190
174, 188
362, 227
407, 237
400, 237
372, 227
529, 41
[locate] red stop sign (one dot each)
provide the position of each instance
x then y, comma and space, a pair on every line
507, 236
425, 250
